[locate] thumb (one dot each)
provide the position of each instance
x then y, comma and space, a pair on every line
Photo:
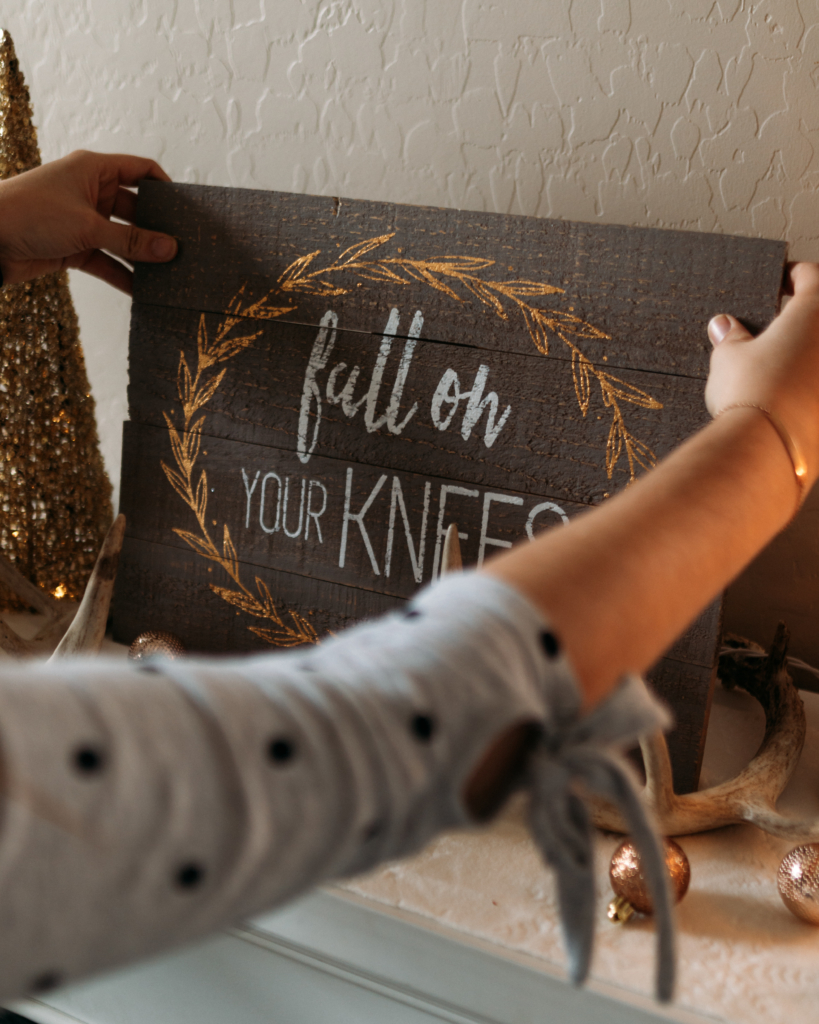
134, 244
724, 327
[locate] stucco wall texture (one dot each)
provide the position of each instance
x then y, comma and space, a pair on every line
694, 114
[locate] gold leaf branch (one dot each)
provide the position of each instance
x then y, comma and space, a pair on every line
194, 393
445, 274
458, 278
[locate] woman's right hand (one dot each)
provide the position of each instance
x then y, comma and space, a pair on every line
59, 216
778, 370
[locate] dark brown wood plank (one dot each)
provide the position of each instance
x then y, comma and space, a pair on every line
308, 519
698, 645
306, 535
592, 337
687, 689
167, 588
545, 446
649, 293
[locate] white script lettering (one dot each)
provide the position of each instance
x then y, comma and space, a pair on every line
319, 358
322, 348
449, 393
249, 492
544, 506
397, 499
488, 498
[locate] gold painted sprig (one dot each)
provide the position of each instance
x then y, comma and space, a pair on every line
445, 274
194, 393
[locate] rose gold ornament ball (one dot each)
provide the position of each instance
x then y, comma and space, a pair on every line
629, 883
156, 643
798, 882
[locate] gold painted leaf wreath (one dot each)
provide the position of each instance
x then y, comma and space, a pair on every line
458, 278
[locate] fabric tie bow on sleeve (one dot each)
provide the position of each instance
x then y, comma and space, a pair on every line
575, 753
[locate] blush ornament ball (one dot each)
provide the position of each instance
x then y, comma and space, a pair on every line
631, 893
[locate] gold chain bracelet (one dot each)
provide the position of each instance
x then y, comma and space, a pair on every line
800, 465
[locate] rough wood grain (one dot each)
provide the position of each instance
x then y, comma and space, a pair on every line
687, 688
546, 444
161, 587
283, 513
339, 356
651, 291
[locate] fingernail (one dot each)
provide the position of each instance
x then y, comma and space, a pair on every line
163, 248
719, 327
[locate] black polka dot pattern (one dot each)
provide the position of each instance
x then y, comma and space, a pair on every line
413, 613
422, 727
46, 981
189, 876
280, 750
550, 644
88, 760
372, 831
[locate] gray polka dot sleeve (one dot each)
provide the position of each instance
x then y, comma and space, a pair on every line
146, 805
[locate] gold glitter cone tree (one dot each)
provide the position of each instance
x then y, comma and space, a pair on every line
55, 497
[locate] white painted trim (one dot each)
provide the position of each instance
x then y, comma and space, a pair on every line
417, 1000
336, 957
34, 1010
418, 955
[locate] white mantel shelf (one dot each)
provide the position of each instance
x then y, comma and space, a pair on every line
467, 933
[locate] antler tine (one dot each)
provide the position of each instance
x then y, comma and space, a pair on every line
659, 788
41, 601
752, 795
85, 634
29, 592
451, 560
778, 755
658, 792
12, 643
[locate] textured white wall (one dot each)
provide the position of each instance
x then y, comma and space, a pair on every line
700, 114
676, 113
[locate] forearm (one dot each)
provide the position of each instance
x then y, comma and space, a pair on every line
622, 583
146, 805
149, 804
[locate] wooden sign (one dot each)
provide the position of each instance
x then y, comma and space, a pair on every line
319, 387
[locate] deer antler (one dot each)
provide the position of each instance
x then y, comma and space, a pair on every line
40, 600
56, 614
86, 632
751, 796
451, 560
82, 635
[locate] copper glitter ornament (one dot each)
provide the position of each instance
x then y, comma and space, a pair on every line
798, 882
54, 492
630, 886
156, 643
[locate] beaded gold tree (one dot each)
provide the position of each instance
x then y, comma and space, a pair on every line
55, 496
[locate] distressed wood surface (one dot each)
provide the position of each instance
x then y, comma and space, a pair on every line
652, 292
308, 519
546, 444
319, 387
688, 690
163, 587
